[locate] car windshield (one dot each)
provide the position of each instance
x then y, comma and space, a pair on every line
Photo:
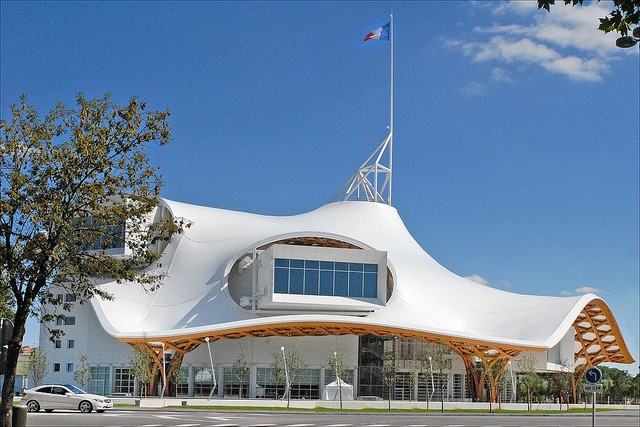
75, 389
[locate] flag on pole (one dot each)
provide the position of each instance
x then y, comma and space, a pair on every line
381, 33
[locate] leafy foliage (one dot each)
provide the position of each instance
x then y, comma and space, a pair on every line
142, 367
67, 180
294, 366
530, 381
37, 366
241, 371
624, 15
389, 371
437, 356
82, 373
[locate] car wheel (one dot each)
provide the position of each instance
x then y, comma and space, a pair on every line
33, 406
85, 406
48, 410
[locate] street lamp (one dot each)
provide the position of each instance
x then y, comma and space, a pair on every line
287, 390
164, 373
338, 379
213, 371
433, 387
629, 41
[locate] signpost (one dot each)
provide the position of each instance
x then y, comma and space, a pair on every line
593, 376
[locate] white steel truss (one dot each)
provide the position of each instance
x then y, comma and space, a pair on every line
372, 180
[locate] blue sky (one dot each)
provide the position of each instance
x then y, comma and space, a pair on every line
516, 130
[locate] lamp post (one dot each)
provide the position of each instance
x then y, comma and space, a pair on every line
433, 387
629, 41
287, 390
164, 373
513, 384
338, 379
213, 371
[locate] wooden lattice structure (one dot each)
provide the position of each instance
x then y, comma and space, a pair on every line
597, 335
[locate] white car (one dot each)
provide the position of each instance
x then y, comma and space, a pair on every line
55, 396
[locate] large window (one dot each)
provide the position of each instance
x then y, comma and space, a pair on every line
327, 278
268, 385
123, 381
202, 381
307, 386
100, 380
232, 384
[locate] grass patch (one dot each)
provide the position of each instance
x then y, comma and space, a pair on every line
381, 410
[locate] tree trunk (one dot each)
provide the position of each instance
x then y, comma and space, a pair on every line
14, 345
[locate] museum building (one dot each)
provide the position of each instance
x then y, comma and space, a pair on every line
346, 280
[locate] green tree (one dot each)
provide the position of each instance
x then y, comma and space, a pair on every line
624, 15
67, 181
295, 365
389, 372
37, 367
560, 387
7, 303
175, 375
82, 373
530, 382
618, 384
241, 371
438, 357
142, 367
336, 362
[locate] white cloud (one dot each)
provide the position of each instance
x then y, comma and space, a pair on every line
565, 41
478, 279
474, 88
587, 290
581, 291
501, 75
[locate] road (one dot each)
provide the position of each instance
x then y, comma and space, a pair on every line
209, 418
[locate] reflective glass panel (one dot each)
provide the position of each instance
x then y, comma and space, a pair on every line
296, 281
355, 284
281, 281
342, 283
326, 282
311, 282
370, 285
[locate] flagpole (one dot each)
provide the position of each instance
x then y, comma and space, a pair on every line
391, 111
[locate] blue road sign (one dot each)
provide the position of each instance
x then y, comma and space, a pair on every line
593, 375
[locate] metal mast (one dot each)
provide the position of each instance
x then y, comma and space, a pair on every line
372, 180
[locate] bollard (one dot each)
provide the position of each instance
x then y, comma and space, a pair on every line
19, 416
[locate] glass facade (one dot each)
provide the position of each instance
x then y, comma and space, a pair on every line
202, 381
100, 382
232, 383
123, 381
307, 385
326, 278
268, 385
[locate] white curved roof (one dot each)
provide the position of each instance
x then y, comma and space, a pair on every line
427, 299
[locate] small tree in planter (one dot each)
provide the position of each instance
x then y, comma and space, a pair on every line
241, 370
82, 375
